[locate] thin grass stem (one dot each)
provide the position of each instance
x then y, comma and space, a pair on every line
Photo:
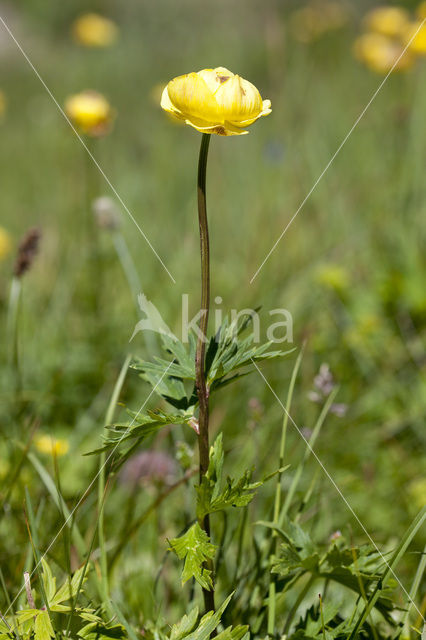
101, 481
278, 490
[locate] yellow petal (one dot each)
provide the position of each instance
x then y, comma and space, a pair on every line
168, 106
215, 77
221, 129
224, 72
266, 110
239, 100
266, 107
191, 95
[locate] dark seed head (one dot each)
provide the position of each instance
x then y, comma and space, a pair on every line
27, 251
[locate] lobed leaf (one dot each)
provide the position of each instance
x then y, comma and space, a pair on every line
195, 548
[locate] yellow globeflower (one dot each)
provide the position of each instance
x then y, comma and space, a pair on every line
5, 243
93, 30
214, 101
380, 53
52, 446
416, 38
388, 21
90, 112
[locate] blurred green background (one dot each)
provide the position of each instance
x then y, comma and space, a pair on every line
350, 269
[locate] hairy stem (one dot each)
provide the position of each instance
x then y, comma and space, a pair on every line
200, 379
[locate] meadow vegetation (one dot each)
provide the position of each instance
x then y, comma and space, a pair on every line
315, 487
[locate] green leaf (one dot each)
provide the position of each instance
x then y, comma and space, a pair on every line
234, 633
4, 629
141, 427
210, 497
232, 352
293, 534
69, 589
186, 358
237, 493
25, 614
195, 549
181, 629
43, 629
87, 614
208, 623
49, 581
99, 631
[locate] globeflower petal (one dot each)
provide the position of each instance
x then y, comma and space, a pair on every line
167, 105
215, 77
190, 95
239, 100
266, 110
220, 129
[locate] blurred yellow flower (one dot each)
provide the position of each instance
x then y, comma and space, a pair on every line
214, 101
380, 53
52, 446
387, 21
93, 30
333, 277
318, 17
5, 243
416, 38
90, 112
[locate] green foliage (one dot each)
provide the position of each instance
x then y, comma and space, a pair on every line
100, 631
195, 548
187, 628
142, 426
358, 569
40, 623
226, 354
350, 269
212, 497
